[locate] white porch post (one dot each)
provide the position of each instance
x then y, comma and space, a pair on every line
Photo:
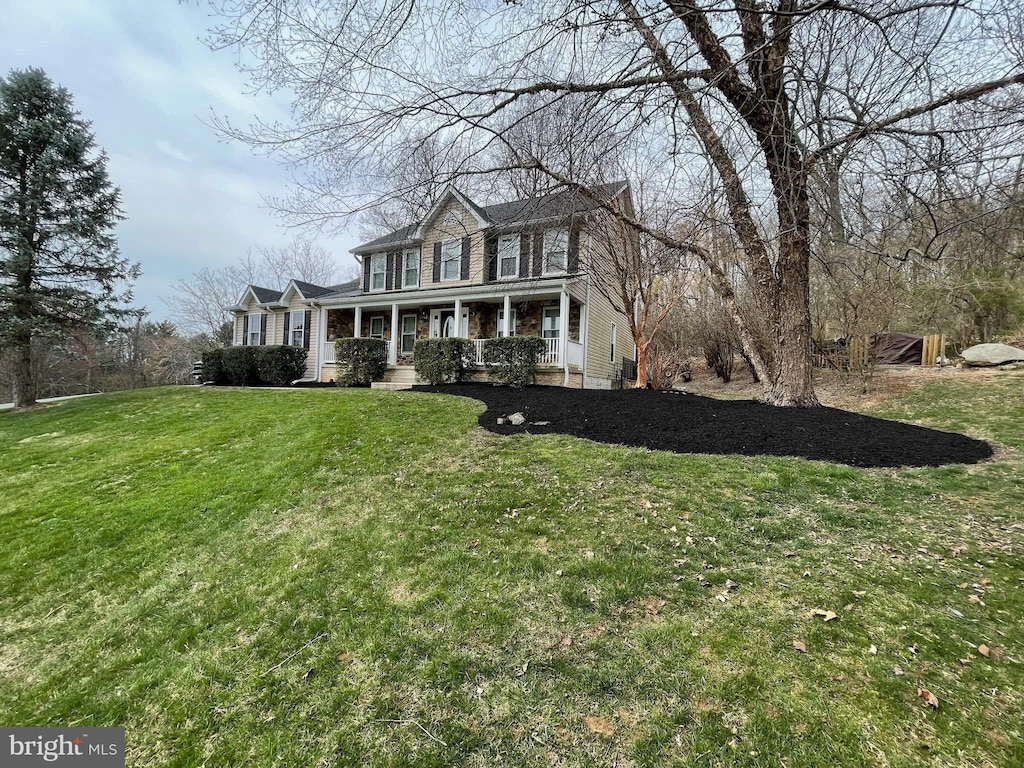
458, 317
321, 340
505, 320
357, 330
563, 334
393, 351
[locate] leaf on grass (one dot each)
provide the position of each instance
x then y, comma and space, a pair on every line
859, 594
563, 642
599, 725
984, 650
721, 598
522, 670
788, 553
731, 585
309, 674
344, 657
873, 650
689, 541
819, 613
848, 607
975, 599
930, 699
799, 646
898, 671
474, 543
964, 662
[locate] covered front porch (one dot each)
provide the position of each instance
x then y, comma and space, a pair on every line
556, 317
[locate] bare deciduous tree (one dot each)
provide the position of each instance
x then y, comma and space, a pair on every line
746, 84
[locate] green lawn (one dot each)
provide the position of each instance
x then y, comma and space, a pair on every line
332, 577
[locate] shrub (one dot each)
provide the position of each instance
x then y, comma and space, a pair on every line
513, 360
439, 361
213, 366
360, 361
240, 367
280, 365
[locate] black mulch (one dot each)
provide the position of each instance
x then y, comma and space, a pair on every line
683, 423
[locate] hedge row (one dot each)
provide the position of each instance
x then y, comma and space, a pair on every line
443, 360
512, 360
250, 366
358, 362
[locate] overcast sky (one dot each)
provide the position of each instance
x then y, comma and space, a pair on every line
139, 72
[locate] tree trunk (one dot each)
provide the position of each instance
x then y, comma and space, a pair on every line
792, 384
24, 382
641, 366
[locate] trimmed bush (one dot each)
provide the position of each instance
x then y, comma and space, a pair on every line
240, 369
280, 365
213, 366
513, 360
358, 362
441, 361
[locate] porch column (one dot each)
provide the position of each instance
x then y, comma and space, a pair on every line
563, 334
321, 342
458, 318
393, 352
358, 324
508, 311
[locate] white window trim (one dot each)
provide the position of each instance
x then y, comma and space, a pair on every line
515, 240
611, 350
403, 334
447, 248
547, 252
512, 321
371, 334
292, 327
255, 326
381, 258
406, 269
546, 312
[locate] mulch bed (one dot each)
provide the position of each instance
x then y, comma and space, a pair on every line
684, 423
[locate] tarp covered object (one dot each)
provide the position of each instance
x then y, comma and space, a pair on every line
897, 349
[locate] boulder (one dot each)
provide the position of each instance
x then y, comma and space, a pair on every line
992, 354
517, 419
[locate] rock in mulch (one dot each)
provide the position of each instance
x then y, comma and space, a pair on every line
682, 423
992, 354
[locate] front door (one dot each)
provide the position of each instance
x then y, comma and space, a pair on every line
442, 323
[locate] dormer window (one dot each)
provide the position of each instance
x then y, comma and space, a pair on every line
378, 271
556, 251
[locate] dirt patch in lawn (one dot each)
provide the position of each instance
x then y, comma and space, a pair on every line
685, 423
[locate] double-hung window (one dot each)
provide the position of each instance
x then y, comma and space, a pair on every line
511, 322
411, 269
255, 330
451, 260
556, 251
408, 333
508, 256
551, 324
377, 327
297, 328
378, 271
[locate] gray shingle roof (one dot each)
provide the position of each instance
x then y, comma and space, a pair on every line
351, 288
311, 291
565, 202
265, 295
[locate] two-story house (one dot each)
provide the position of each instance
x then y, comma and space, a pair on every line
516, 268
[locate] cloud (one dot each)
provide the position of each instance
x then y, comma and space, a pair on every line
172, 151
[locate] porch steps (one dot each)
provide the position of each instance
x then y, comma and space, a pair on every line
402, 377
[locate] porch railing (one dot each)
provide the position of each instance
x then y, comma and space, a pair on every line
549, 356
328, 351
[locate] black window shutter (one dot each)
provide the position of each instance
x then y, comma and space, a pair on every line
366, 272
308, 329
491, 254
263, 329
437, 262
524, 255
245, 330
389, 273
574, 251
287, 322
538, 254
464, 272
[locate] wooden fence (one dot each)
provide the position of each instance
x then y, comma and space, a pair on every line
856, 353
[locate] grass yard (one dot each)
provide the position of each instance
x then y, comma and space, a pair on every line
331, 577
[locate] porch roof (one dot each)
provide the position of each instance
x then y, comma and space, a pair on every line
490, 292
